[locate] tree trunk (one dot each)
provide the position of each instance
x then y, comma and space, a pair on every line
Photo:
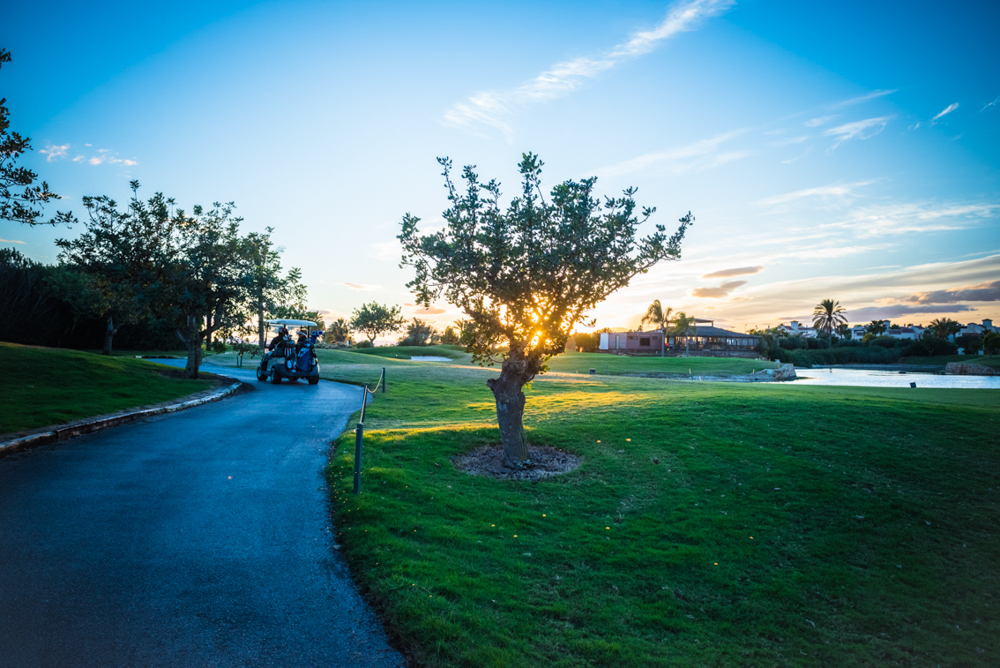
260, 322
191, 336
109, 335
515, 372
663, 342
208, 331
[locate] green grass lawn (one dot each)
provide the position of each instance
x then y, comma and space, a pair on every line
46, 386
405, 352
617, 365
942, 360
710, 524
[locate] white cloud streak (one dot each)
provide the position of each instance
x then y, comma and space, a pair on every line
816, 122
10, 241
697, 156
994, 103
836, 190
857, 130
494, 108
864, 98
947, 110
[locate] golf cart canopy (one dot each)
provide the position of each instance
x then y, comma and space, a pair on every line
292, 323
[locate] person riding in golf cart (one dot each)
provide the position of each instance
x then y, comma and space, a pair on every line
285, 358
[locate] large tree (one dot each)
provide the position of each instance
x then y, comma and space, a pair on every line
527, 274
659, 316
374, 320
209, 281
120, 255
17, 205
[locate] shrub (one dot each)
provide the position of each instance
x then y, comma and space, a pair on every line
363, 344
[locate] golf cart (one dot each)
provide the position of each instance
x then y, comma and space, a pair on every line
287, 359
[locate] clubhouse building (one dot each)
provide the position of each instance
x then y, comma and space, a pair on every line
702, 340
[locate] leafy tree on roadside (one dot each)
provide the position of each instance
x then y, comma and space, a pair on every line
16, 205
374, 320
659, 316
944, 327
209, 278
527, 274
121, 255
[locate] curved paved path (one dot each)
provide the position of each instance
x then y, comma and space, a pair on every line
201, 538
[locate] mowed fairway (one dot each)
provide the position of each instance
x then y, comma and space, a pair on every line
710, 524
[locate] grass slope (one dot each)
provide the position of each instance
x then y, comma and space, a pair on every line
46, 386
710, 524
992, 361
405, 352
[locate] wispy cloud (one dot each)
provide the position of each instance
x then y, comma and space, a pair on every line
836, 190
857, 130
360, 286
816, 122
947, 110
53, 152
864, 98
993, 104
697, 156
892, 219
494, 108
10, 241
738, 271
719, 292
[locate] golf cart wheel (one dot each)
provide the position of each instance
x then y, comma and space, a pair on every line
313, 380
275, 376
261, 374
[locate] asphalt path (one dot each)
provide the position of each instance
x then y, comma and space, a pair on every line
200, 538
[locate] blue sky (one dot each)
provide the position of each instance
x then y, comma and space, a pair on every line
844, 150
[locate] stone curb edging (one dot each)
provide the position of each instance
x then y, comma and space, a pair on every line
71, 431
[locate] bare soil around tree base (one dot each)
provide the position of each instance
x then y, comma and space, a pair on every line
543, 462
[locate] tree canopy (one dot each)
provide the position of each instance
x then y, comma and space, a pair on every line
526, 274
17, 205
374, 320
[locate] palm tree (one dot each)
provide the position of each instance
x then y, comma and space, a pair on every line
944, 327
875, 327
828, 314
683, 323
660, 317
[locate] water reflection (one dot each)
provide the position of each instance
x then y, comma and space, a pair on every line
869, 378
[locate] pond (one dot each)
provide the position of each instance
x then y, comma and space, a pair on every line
871, 378
429, 358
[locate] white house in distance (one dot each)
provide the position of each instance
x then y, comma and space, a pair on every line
976, 328
797, 328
